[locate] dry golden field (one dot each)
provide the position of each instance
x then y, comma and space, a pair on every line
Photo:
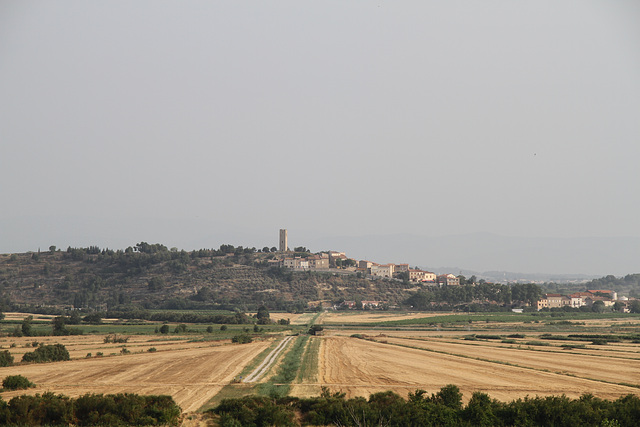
351, 317
360, 367
398, 358
191, 373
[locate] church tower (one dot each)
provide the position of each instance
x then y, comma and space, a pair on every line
283, 240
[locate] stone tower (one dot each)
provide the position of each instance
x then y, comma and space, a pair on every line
283, 240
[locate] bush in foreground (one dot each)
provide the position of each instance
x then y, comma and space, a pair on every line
16, 382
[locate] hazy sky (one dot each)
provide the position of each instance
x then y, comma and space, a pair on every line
208, 122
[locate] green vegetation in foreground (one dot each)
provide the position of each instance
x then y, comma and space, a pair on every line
278, 385
500, 317
443, 408
91, 409
16, 382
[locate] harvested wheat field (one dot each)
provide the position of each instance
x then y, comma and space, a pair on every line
190, 373
351, 317
81, 345
293, 317
359, 367
618, 369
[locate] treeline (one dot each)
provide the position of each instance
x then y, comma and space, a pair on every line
177, 317
89, 410
444, 408
475, 297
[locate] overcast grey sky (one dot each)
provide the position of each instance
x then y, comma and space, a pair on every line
208, 122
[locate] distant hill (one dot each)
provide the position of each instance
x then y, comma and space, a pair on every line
155, 277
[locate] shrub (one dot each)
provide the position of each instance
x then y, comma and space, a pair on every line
152, 350
242, 339
47, 353
16, 382
6, 359
223, 327
209, 329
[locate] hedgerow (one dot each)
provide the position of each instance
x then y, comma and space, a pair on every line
89, 410
420, 409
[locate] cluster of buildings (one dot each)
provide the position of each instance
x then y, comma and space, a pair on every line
335, 259
580, 299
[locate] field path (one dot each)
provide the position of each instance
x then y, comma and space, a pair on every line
268, 362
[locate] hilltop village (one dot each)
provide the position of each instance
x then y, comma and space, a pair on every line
302, 259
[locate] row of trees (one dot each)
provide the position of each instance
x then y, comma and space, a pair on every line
443, 408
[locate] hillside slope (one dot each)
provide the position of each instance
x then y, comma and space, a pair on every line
158, 278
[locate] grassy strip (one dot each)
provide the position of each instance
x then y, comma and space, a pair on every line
309, 369
278, 385
501, 362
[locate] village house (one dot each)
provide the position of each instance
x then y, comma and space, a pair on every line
317, 262
553, 301
296, 263
401, 268
382, 270
421, 276
448, 280
364, 265
334, 256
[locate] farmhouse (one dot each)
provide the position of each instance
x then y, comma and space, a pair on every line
577, 299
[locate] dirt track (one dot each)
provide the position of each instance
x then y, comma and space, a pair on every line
359, 367
268, 361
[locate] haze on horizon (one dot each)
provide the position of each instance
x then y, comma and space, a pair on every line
200, 123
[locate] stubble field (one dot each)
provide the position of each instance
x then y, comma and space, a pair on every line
379, 358
360, 367
191, 373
